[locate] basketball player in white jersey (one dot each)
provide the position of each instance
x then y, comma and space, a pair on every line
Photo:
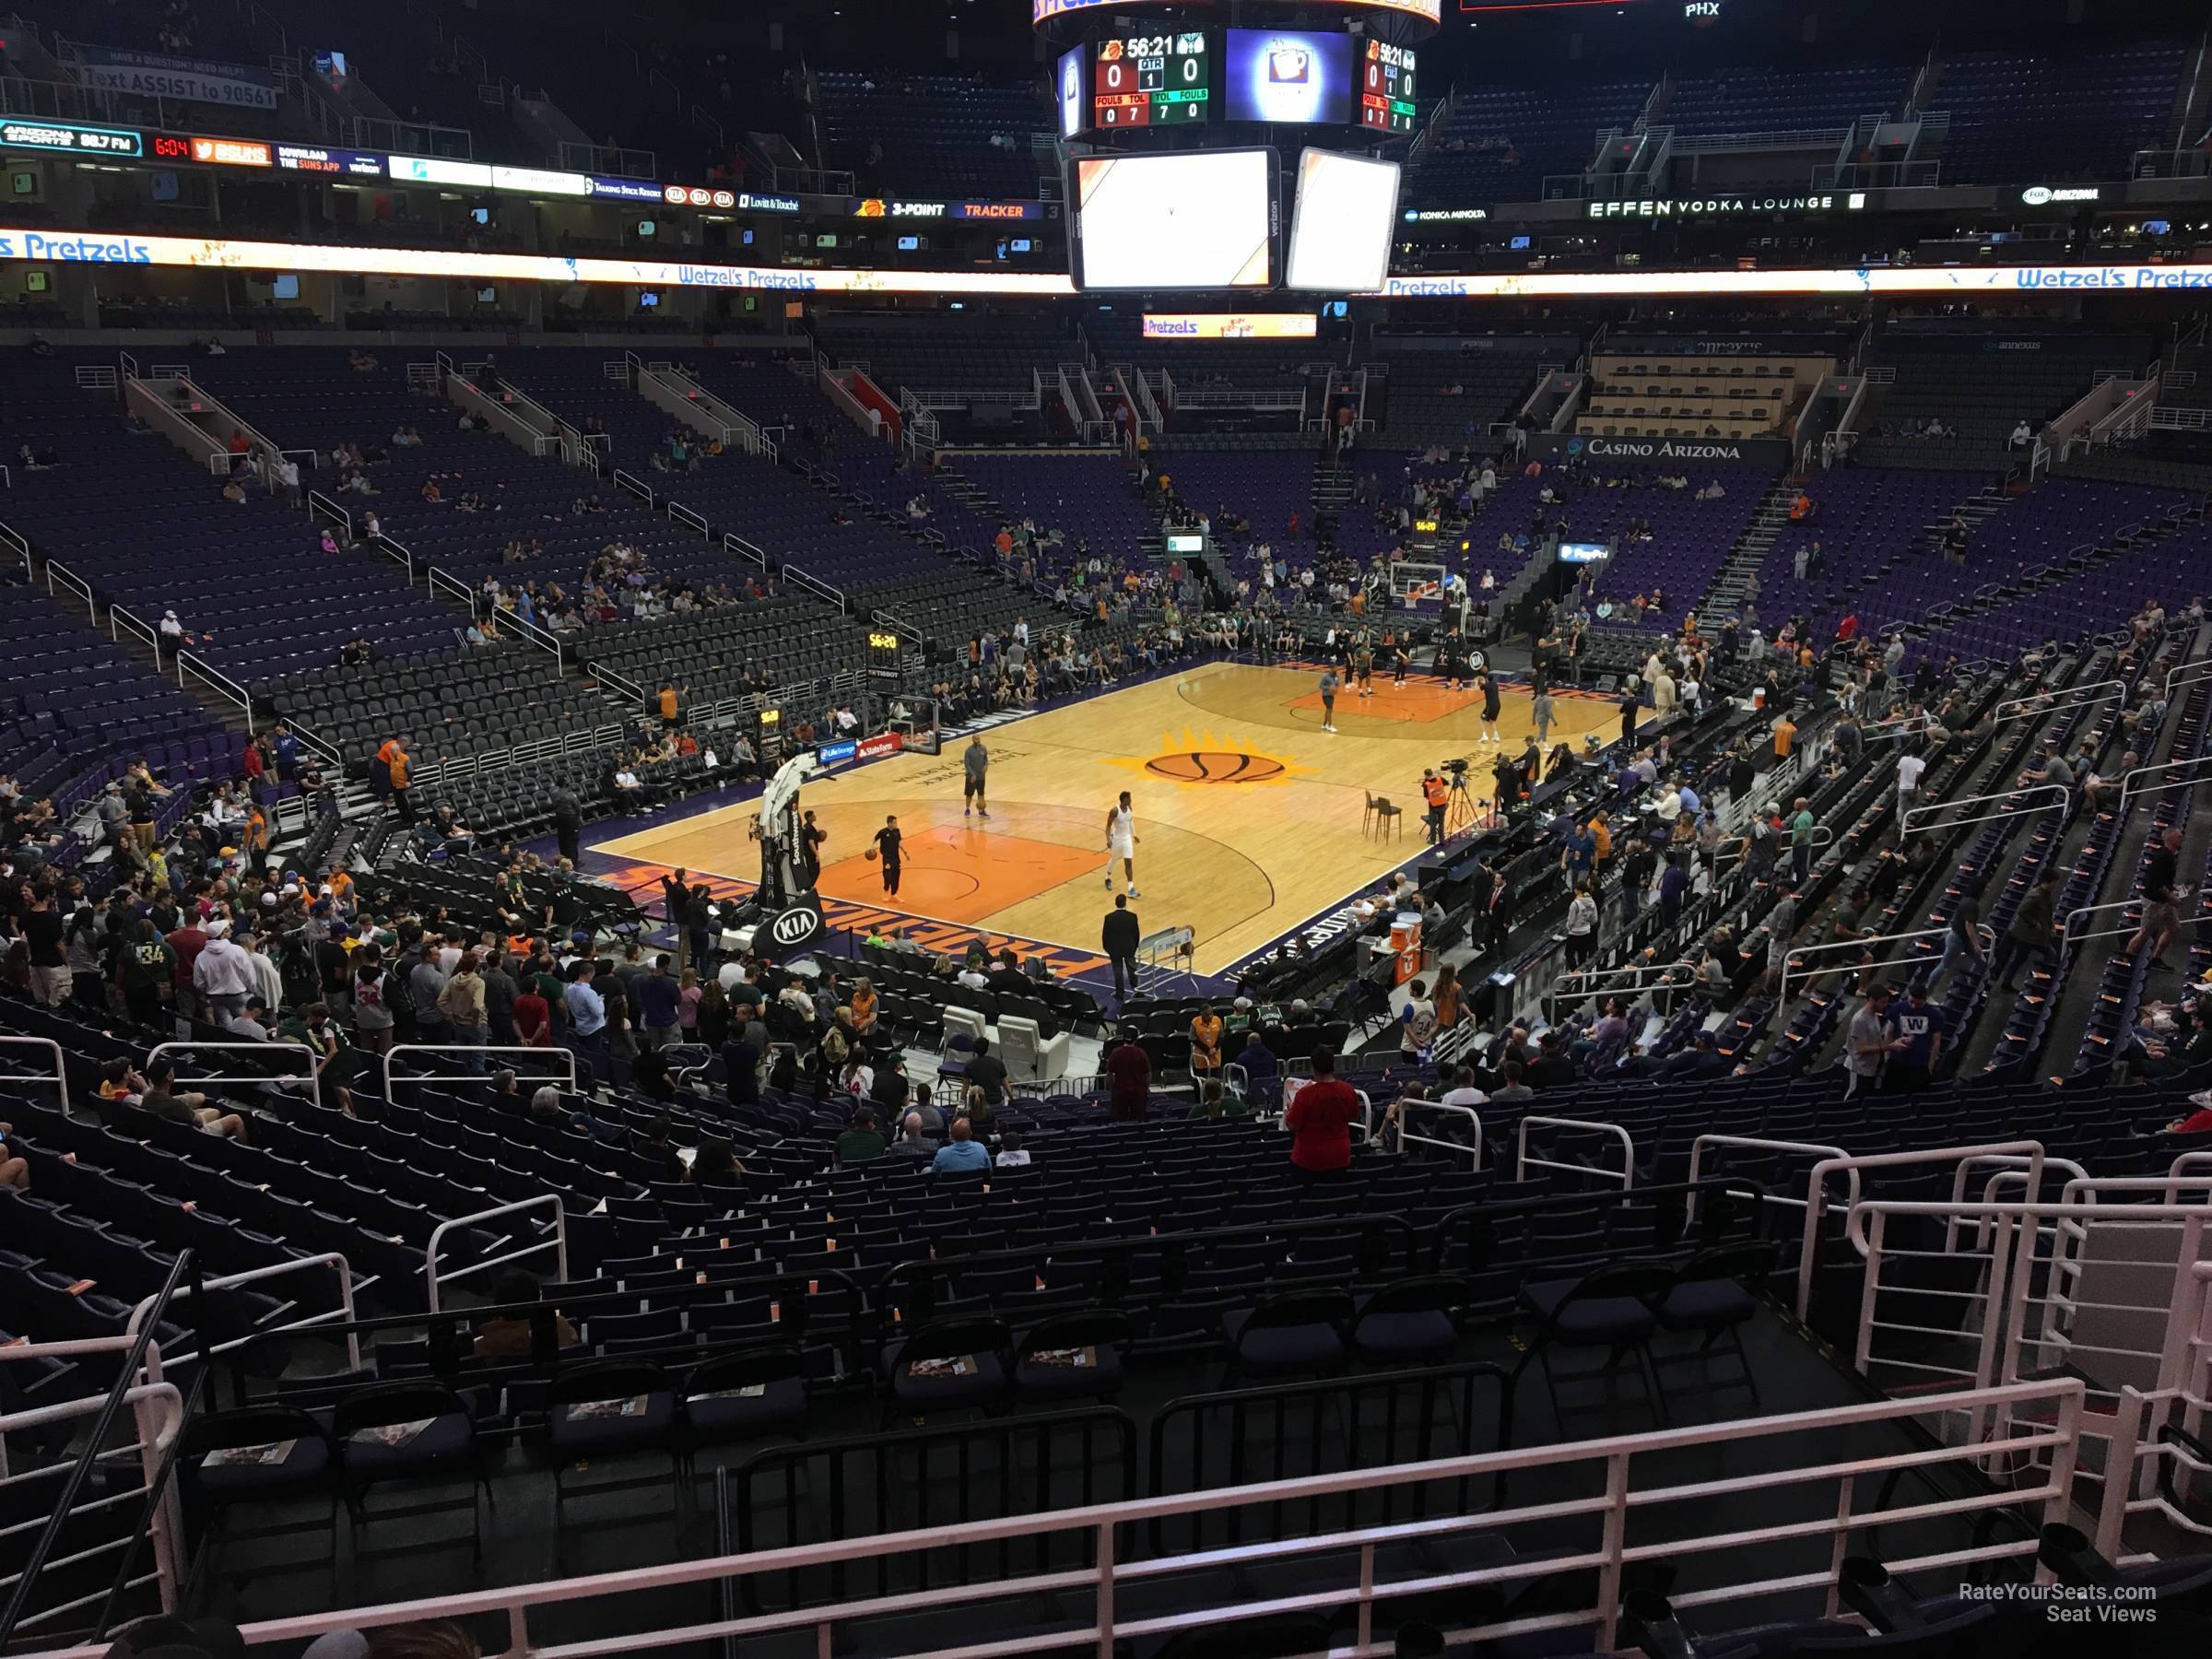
1120, 843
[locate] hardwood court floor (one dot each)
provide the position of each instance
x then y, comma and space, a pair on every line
1248, 814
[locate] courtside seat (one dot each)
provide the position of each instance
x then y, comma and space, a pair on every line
1028, 1053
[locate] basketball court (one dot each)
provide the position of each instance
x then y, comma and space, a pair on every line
1250, 819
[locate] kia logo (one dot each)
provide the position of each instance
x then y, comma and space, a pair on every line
795, 925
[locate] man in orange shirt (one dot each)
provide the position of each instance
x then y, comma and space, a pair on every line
1437, 792
394, 754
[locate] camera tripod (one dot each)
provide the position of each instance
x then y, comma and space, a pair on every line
1463, 810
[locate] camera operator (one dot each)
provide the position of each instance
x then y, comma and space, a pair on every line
1436, 793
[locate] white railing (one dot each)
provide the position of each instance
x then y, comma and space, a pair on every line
461, 392
1790, 971
744, 549
12, 539
157, 1418
1755, 1144
564, 1058
442, 581
821, 589
342, 1313
635, 485
2052, 794
558, 1243
121, 621
1615, 1494
1406, 1137
198, 667
683, 515
274, 1046
395, 552
2057, 703
329, 507
1522, 1162
2129, 789
61, 1076
71, 583
1851, 1168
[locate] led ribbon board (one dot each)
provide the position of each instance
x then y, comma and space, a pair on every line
89, 247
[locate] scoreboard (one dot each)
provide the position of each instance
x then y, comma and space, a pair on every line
1386, 87
1158, 80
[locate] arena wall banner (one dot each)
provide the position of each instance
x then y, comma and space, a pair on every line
148, 75
1685, 453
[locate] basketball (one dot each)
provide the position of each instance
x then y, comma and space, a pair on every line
869, 856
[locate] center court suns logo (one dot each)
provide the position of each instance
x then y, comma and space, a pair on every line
1202, 757
1216, 766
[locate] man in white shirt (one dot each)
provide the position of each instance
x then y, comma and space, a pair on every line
1909, 767
224, 973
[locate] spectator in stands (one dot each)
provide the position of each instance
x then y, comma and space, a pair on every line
914, 1143
962, 1154
1320, 1119
223, 975
1919, 1043
1129, 1074
2031, 932
586, 1008
2022, 435
160, 1099
461, 1002
862, 1142
2162, 911
508, 1336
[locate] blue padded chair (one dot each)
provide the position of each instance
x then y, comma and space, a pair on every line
1610, 1307
745, 1396
1294, 1334
948, 1365
1410, 1323
363, 1425
212, 1483
1105, 1331
607, 1408
1713, 1295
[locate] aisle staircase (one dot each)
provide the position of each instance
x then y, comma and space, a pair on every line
1726, 597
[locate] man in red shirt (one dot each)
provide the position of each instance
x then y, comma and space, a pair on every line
1129, 1070
1320, 1120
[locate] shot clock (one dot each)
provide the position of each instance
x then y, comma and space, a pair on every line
883, 654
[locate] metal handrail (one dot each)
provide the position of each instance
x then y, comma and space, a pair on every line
254, 1276
61, 1076
1817, 1193
1522, 1162
121, 621
192, 662
1905, 826
1406, 1136
314, 1061
184, 1266
2048, 1411
1835, 945
1697, 1156
557, 1243
2128, 790
464, 1049
2057, 703
2118, 903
